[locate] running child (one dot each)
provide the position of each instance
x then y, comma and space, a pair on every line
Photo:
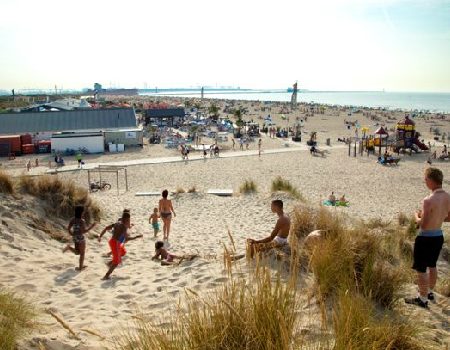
119, 238
77, 229
153, 219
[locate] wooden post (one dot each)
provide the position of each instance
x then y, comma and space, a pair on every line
89, 180
117, 181
354, 151
349, 149
126, 179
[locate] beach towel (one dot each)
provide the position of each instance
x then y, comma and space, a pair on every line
337, 204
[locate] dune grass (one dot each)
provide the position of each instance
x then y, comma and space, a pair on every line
180, 190
280, 184
6, 183
16, 317
358, 325
248, 187
60, 196
192, 189
259, 315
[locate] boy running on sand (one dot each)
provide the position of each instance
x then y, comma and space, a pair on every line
77, 229
120, 236
153, 219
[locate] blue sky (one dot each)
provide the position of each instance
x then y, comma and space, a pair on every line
398, 45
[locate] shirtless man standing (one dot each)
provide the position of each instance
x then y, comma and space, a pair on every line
428, 244
279, 235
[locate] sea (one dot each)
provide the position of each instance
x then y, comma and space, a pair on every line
408, 101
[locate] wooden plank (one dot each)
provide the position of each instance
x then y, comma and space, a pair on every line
221, 192
148, 193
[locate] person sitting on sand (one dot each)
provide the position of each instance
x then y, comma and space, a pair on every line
444, 154
166, 257
279, 235
332, 198
77, 229
342, 200
120, 236
166, 210
153, 219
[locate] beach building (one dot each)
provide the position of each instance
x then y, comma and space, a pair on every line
127, 137
72, 129
88, 142
90, 120
164, 116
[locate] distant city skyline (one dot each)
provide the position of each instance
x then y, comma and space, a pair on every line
325, 45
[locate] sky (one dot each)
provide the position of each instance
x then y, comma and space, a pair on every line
396, 45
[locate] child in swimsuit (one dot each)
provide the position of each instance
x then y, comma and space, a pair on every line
153, 219
77, 229
166, 257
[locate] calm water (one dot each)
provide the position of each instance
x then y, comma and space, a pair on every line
434, 102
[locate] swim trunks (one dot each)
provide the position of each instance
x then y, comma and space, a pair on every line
155, 226
280, 240
427, 247
117, 250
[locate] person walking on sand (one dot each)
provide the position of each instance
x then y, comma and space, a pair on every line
77, 229
234, 143
153, 220
166, 210
428, 244
279, 235
79, 159
119, 237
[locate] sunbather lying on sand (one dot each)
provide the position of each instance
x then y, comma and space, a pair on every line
279, 235
169, 258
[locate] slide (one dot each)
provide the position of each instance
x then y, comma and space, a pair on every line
421, 145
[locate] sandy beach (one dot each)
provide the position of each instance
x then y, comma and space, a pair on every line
34, 265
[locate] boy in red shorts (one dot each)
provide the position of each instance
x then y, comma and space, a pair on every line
119, 237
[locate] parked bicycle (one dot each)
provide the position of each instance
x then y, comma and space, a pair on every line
99, 186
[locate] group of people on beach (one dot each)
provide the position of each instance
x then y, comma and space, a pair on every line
428, 243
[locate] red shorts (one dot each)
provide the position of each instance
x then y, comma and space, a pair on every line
118, 250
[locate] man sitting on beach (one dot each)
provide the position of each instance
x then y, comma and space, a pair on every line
428, 244
279, 235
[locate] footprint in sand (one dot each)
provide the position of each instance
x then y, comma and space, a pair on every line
128, 296
76, 290
26, 288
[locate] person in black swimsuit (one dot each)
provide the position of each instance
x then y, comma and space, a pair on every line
166, 210
77, 229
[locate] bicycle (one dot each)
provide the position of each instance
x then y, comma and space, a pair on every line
99, 186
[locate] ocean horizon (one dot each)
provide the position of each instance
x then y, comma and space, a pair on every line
436, 102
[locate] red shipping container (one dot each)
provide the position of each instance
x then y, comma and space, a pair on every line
28, 149
14, 143
44, 146
26, 139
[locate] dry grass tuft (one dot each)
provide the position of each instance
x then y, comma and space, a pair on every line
6, 183
358, 325
61, 196
248, 187
305, 219
280, 184
192, 189
258, 316
16, 316
403, 219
